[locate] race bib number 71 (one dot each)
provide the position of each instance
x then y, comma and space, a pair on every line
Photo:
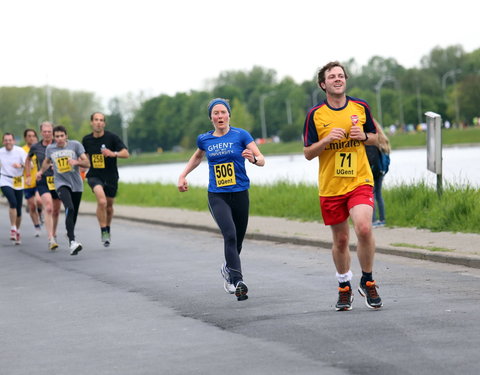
345, 164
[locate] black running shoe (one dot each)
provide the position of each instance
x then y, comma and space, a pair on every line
241, 291
369, 291
345, 299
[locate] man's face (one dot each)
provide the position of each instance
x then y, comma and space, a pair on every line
8, 142
47, 132
31, 138
98, 123
335, 81
60, 138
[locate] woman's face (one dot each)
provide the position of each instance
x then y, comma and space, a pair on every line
220, 116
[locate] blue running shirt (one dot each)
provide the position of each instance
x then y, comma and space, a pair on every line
226, 164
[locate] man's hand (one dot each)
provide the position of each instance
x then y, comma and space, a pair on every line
357, 133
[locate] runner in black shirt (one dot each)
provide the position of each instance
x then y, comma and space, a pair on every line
103, 148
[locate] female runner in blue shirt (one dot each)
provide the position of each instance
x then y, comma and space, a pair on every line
226, 148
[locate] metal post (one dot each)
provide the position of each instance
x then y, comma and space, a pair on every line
289, 112
434, 147
262, 113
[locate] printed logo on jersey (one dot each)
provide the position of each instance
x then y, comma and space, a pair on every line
220, 149
354, 119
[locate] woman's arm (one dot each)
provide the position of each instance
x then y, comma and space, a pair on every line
193, 163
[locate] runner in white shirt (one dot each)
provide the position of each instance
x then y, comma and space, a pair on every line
12, 161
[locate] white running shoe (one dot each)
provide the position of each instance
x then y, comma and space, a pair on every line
37, 232
227, 285
13, 234
75, 247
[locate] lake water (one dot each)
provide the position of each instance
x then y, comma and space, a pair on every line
461, 165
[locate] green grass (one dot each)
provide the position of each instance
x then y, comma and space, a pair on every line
449, 137
456, 210
412, 246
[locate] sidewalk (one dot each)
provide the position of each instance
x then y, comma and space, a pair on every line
457, 248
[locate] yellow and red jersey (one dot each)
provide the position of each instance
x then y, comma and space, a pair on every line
344, 164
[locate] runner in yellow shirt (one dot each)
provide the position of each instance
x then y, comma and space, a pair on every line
336, 131
34, 202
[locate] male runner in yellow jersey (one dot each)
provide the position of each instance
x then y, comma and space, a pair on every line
336, 132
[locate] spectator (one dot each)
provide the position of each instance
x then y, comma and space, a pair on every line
379, 159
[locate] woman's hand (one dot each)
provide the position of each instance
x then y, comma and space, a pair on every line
182, 184
249, 155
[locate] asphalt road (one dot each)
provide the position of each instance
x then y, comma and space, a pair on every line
153, 303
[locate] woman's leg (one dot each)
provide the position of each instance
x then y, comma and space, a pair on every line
379, 198
222, 214
240, 207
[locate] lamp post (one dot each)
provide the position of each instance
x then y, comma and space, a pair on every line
452, 73
378, 88
262, 112
288, 106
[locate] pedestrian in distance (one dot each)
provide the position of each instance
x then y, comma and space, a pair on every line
45, 183
67, 156
336, 131
226, 148
12, 162
34, 202
379, 159
103, 149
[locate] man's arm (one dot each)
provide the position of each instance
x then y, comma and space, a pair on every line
315, 149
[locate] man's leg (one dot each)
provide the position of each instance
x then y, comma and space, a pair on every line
48, 209
110, 202
342, 260
32, 209
340, 249
362, 221
101, 205
56, 205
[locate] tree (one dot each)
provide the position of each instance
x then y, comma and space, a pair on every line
240, 116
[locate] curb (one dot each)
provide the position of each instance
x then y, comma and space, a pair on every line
449, 258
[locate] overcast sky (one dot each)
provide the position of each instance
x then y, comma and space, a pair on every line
112, 47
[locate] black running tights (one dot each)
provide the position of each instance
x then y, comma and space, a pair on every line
71, 202
230, 211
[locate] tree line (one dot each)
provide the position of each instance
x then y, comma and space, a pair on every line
447, 82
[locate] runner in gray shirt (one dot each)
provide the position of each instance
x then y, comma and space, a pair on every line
67, 156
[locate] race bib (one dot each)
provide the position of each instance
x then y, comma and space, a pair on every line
98, 161
62, 165
18, 182
224, 174
345, 164
50, 183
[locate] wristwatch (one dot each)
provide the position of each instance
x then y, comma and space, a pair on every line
366, 137
255, 159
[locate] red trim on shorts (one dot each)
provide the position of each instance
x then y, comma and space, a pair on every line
336, 210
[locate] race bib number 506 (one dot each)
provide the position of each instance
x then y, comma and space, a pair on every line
224, 174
